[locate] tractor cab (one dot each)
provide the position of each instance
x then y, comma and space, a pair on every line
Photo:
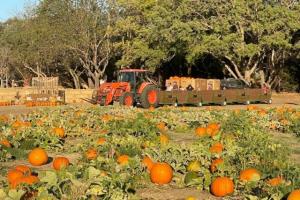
133, 86
135, 77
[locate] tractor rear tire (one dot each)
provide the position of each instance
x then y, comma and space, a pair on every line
149, 97
127, 99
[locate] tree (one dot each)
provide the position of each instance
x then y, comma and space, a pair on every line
247, 36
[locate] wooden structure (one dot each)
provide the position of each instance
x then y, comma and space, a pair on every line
46, 89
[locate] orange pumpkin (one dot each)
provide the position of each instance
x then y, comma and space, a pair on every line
5, 143
60, 163
91, 154
275, 181
222, 186
161, 126
215, 163
59, 132
161, 173
38, 157
24, 180
101, 141
148, 162
294, 195
13, 175
216, 148
164, 139
123, 159
250, 174
200, 131
213, 126
24, 169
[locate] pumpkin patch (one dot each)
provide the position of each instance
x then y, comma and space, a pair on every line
116, 151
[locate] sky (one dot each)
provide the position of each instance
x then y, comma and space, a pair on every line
11, 8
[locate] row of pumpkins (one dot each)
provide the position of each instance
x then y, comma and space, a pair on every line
160, 173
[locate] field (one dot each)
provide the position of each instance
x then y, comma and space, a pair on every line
112, 151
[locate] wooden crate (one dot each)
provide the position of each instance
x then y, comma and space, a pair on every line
201, 84
213, 84
185, 82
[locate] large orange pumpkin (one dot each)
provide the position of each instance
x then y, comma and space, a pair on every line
123, 159
60, 163
250, 174
200, 131
215, 163
148, 162
216, 148
294, 195
59, 132
91, 154
38, 157
12, 175
24, 169
222, 186
161, 173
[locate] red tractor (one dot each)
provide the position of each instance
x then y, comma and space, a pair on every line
132, 87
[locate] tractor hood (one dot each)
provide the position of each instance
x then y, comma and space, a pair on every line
108, 87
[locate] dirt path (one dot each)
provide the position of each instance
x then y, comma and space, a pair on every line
291, 141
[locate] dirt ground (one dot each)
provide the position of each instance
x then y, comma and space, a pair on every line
168, 192
286, 99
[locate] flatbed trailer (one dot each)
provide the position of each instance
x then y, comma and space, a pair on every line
220, 97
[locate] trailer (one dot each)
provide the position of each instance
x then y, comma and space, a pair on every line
219, 97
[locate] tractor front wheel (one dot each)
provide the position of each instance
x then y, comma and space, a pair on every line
127, 99
149, 97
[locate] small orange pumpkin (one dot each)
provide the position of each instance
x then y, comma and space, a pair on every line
275, 181
91, 154
222, 186
5, 143
38, 157
60, 163
123, 159
148, 162
161, 173
164, 139
200, 131
25, 180
216, 148
215, 163
101, 141
59, 132
250, 174
161, 126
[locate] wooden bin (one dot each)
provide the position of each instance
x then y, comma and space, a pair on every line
213, 84
185, 82
201, 84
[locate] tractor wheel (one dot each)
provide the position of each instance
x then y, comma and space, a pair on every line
149, 97
127, 99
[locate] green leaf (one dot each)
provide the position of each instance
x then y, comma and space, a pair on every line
50, 178
2, 194
93, 172
16, 194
